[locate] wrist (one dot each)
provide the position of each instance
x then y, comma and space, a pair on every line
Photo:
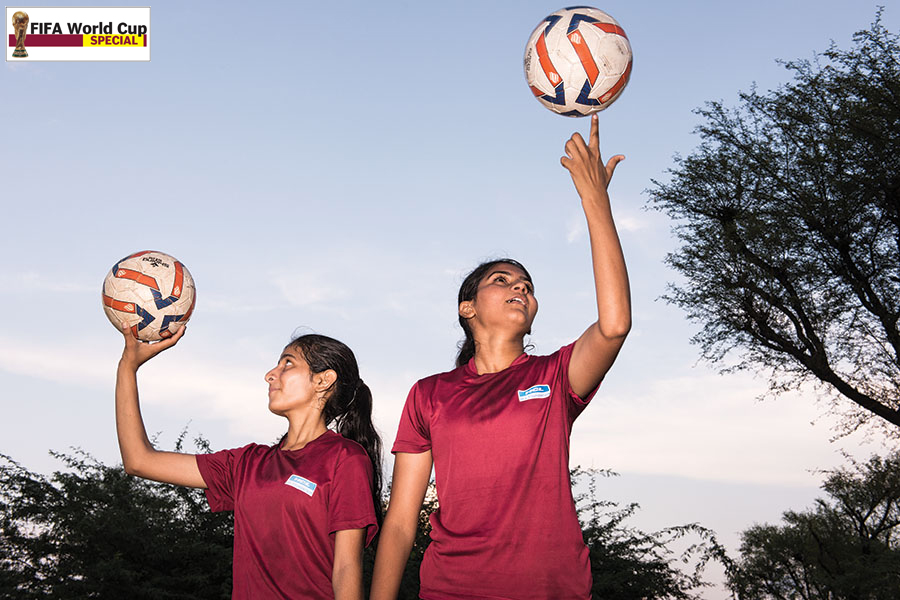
595, 200
128, 365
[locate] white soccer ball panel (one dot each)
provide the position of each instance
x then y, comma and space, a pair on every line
611, 52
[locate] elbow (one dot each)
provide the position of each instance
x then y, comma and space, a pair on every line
617, 329
131, 468
397, 528
134, 465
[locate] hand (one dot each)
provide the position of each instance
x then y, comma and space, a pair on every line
585, 164
137, 352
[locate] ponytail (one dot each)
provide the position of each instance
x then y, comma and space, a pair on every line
349, 405
356, 424
466, 347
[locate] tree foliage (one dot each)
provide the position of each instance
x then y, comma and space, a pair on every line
789, 221
630, 564
846, 547
91, 531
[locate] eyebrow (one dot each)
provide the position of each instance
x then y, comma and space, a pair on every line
501, 272
286, 355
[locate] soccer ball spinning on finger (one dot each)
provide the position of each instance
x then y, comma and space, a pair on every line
577, 61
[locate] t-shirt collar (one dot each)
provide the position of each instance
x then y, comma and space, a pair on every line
472, 370
329, 433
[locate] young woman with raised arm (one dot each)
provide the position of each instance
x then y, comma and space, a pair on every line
496, 429
304, 507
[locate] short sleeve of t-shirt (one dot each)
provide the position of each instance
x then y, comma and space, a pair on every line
217, 470
578, 404
350, 506
413, 434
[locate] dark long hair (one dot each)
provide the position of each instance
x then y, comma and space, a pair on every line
349, 406
467, 291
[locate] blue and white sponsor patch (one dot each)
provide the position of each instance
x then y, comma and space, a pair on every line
301, 483
534, 392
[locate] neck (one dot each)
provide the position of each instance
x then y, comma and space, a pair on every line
494, 355
303, 430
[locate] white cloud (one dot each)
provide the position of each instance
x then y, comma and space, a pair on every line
630, 223
307, 288
188, 384
711, 427
189, 387
34, 281
576, 228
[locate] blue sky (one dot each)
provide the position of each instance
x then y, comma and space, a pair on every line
338, 168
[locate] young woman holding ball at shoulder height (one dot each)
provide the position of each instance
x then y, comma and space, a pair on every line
497, 428
305, 507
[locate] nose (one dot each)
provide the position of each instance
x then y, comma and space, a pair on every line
520, 286
270, 376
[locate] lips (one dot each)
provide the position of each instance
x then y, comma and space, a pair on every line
518, 299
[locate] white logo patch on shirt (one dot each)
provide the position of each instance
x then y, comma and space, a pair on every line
301, 483
534, 392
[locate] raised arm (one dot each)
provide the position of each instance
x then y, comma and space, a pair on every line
398, 532
597, 348
138, 455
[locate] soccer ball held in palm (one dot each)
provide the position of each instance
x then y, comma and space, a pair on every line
150, 292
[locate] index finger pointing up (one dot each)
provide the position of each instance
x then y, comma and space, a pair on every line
595, 131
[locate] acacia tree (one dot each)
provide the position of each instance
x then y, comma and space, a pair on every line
788, 216
845, 547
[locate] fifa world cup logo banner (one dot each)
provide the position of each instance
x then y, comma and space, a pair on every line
20, 24
77, 33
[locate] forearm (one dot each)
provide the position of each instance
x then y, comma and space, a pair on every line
139, 457
347, 583
610, 274
134, 445
394, 546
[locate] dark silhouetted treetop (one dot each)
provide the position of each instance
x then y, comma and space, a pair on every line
788, 217
846, 547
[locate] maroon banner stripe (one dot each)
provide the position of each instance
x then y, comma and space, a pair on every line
37, 39
58, 40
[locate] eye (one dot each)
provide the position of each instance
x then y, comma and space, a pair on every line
500, 278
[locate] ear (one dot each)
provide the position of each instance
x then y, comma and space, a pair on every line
467, 309
324, 380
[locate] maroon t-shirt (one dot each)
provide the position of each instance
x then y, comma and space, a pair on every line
287, 506
506, 526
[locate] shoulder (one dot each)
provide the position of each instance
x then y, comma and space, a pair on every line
340, 449
347, 454
561, 356
343, 445
248, 450
228, 463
